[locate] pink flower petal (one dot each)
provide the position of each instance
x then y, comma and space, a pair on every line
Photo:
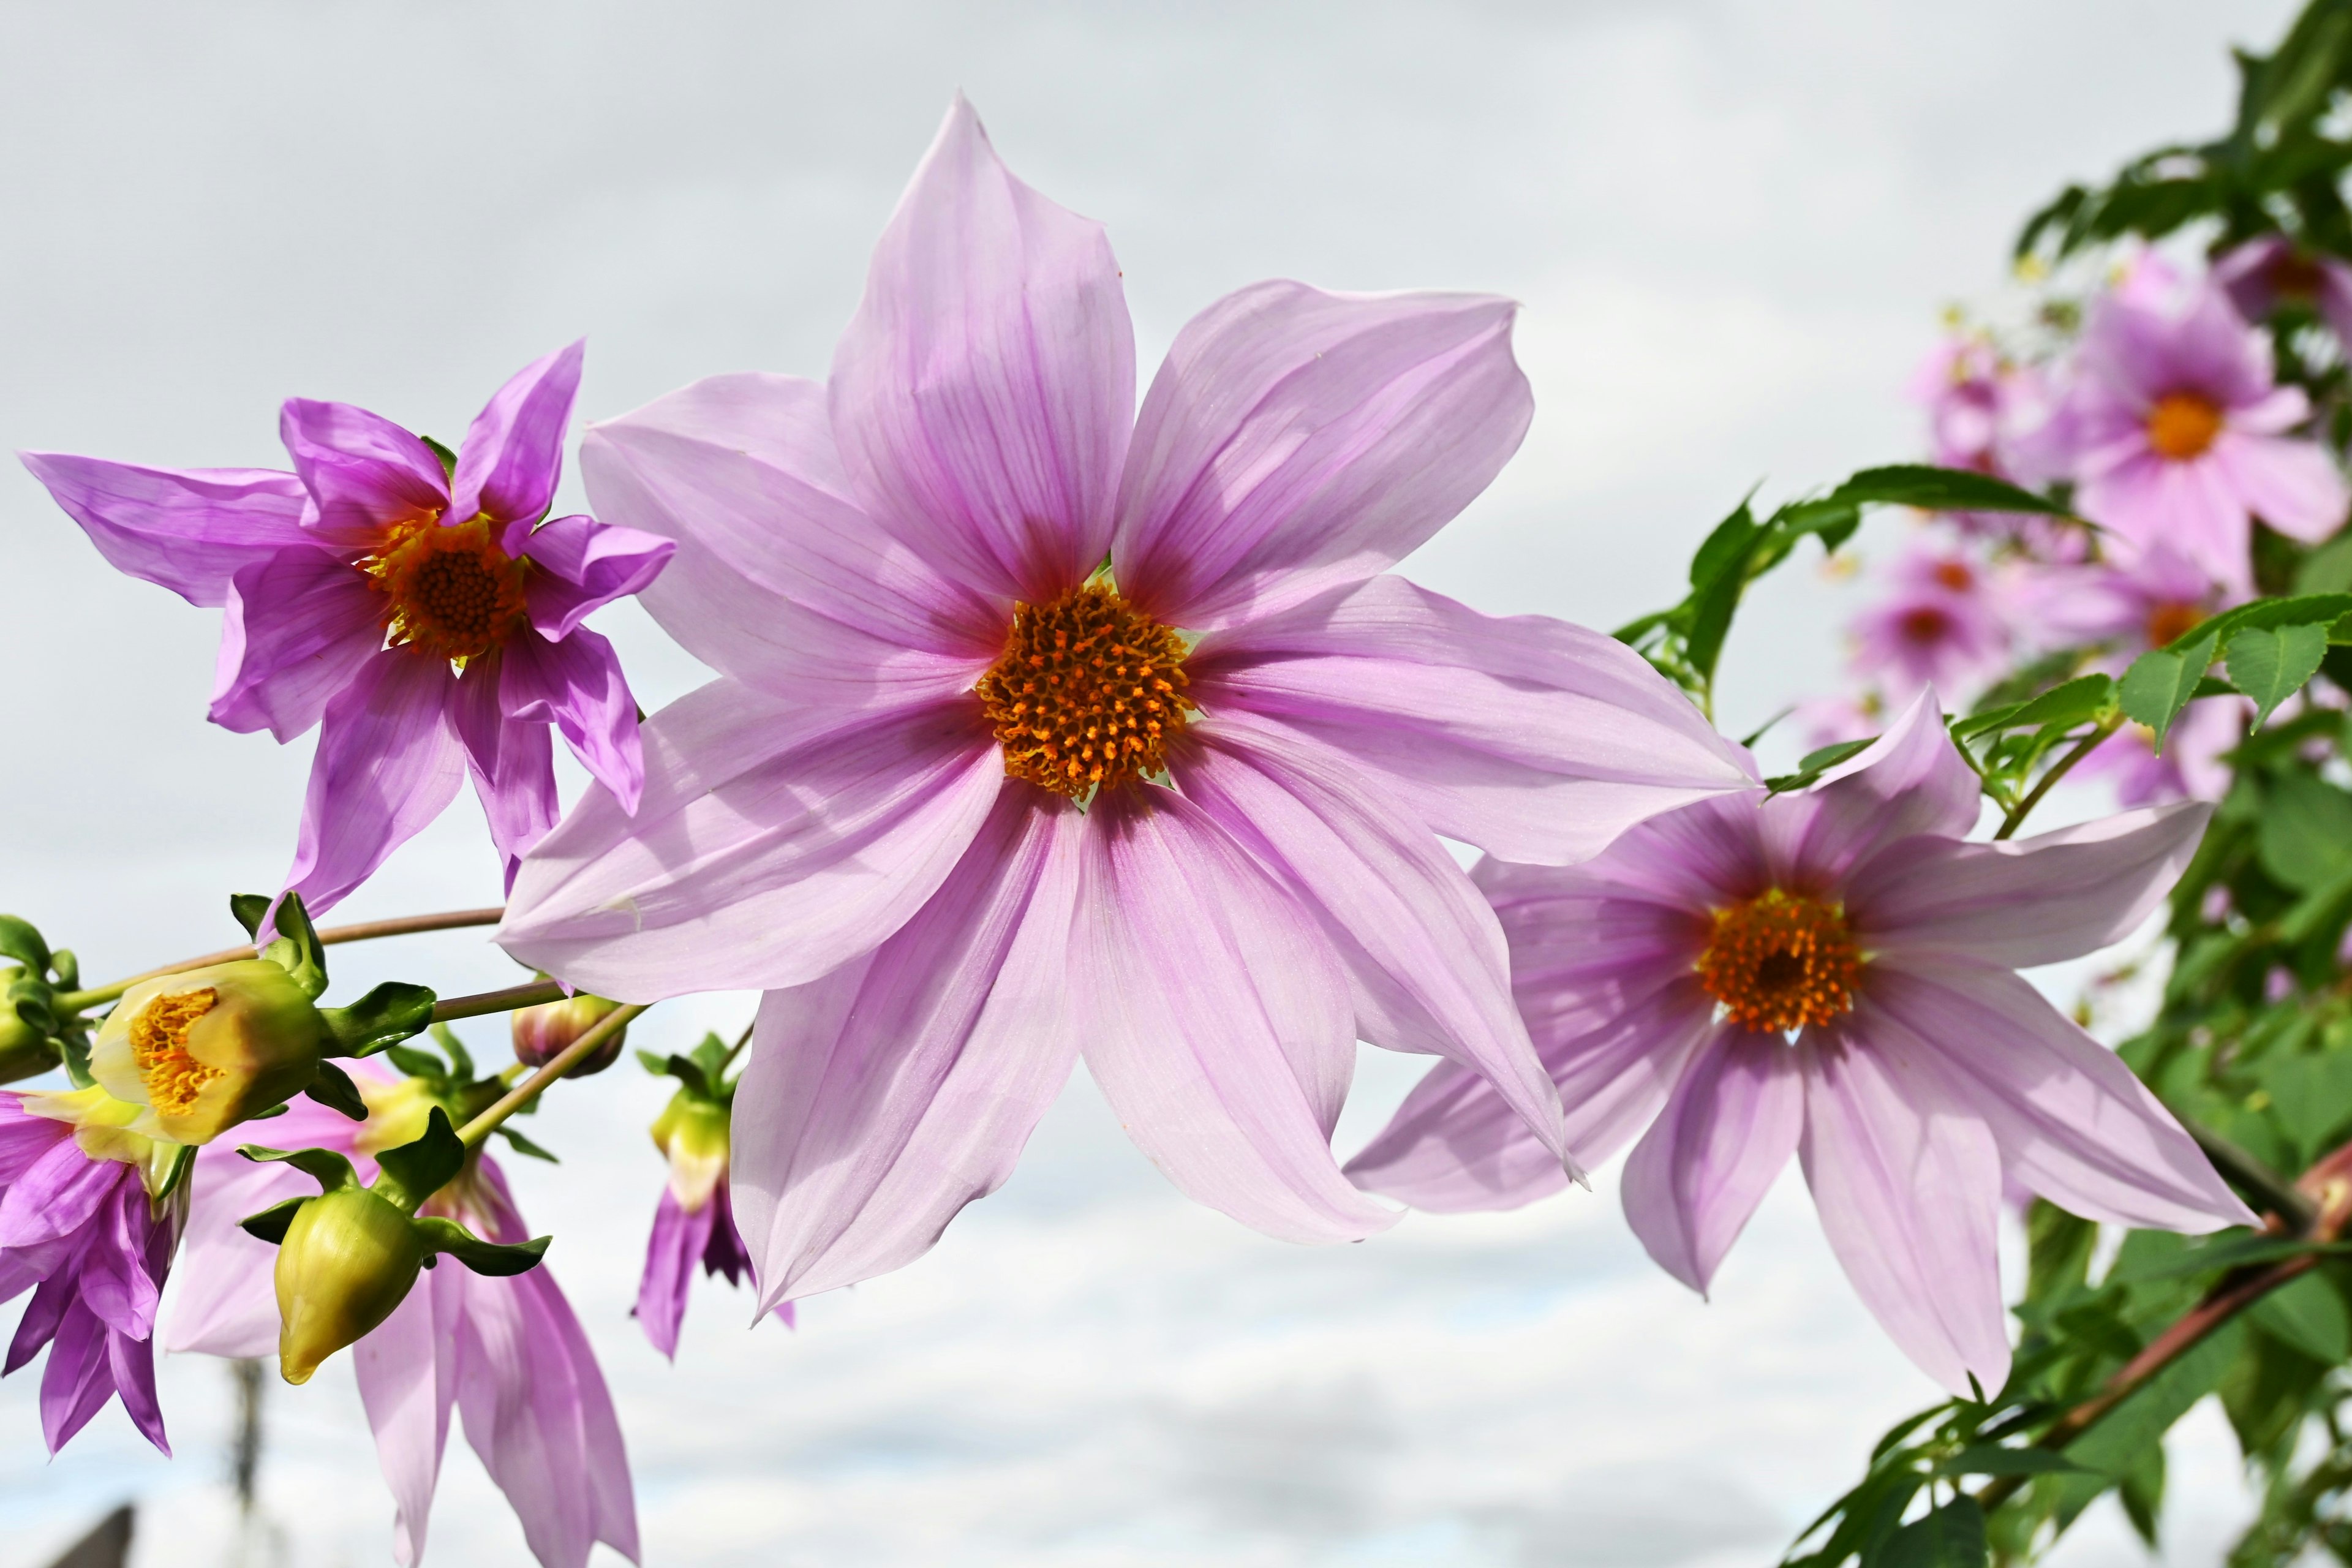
188, 530
2072, 1120
512, 455
387, 765
2293, 486
301, 624
512, 765
1726, 1133
363, 471
576, 686
2188, 508
882, 1098
672, 1249
407, 1372
1910, 780
1535, 740
2018, 903
774, 843
1296, 441
1907, 1181
1425, 959
588, 565
983, 393
1215, 1020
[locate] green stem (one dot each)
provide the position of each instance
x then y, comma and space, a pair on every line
531, 993
2058, 770
473, 1133
405, 925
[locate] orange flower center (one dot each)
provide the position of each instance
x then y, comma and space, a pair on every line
1924, 624
1955, 575
2169, 620
159, 1045
2183, 425
1089, 693
1780, 961
449, 593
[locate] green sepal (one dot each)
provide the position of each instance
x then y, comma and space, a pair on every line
329, 1168
35, 1003
448, 458
461, 1060
415, 1172
278, 1109
489, 1258
74, 1050
522, 1145
270, 1224
20, 942
391, 1012
296, 948
416, 1063
174, 1177
247, 909
334, 1090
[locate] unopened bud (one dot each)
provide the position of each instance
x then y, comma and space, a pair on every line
544, 1033
205, 1050
693, 1131
25, 1050
349, 1258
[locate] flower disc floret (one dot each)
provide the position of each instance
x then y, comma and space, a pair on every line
449, 592
1088, 694
2183, 425
1780, 961
158, 1044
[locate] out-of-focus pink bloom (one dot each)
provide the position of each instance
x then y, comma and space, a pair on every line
695, 1221
2180, 435
2144, 602
425, 618
1944, 624
1983, 412
1666, 978
77, 1229
507, 1354
946, 591
2188, 768
1828, 720
2262, 274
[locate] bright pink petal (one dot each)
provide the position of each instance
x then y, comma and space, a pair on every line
1726, 1133
512, 455
1296, 441
188, 530
1424, 956
2293, 486
2023, 902
588, 565
2073, 1122
576, 686
1215, 1020
983, 393
363, 471
407, 1384
882, 1098
387, 765
1910, 780
300, 626
774, 843
1907, 1181
512, 765
1535, 740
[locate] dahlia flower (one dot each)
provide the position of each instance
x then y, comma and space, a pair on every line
1945, 624
78, 1229
2179, 435
1830, 973
417, 609
694, 1223
508, 1354
2263, 274
1046, 726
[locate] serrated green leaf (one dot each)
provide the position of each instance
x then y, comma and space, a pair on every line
415, 1172
490, 1258
2159, 684
391, 1012
2272, 665
270, 1224
334, 1090
329, 1170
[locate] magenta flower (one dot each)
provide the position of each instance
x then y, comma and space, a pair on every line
2180, 435
77, 1230
1048, 727
2263, 274
423, 615
508, 1354
1830, 973
1945, 624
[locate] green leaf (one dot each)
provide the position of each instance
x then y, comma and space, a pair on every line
1815, 763
461, 1060
391, 1012
1931, 489
334, 1090
270, 1224
1952, 1536
2271, 666
522, 1145
2231, 1252
1993, 1460
416, 1063
415, 1172
2159, 684
2328, 569
2085, 697
482, 1257
448, 458
329, 1168
297, 949
2114, 1446
21, 941
2303, 838
1724, 549
2308, 1314
1719, 578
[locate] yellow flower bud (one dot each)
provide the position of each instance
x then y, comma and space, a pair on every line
692, 1131
541, 1033
347, 1260
205, 1050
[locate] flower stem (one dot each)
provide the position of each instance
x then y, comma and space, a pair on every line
530, 993
365, 930
2058, 770
473, 1133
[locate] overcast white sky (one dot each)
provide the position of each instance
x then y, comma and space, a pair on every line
1732, 225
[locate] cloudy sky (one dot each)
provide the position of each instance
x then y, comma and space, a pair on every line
1732, 225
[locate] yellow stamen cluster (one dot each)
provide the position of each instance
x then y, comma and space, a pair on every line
2183, 425
449, 592
1781, 961
159, 1045
1088, 694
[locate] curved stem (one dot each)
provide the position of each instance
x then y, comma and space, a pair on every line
522, 1094
365, 930
531, 993
2058, 770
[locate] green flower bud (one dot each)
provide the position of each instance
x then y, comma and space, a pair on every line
25, 1048
542, 1033
692, 1130
347, 1260
205, 1050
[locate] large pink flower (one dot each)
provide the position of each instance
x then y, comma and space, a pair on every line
508, 1354
2180, 435
423, 615
1663, 981
1048, 727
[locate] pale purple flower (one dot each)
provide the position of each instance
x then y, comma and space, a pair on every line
78, 1231
2190, 766
682, 1239
1945, 624
2180, 435
425, 619
1664, 978
508, 1354
878, 815
2145, 601
2262, 274
1984, 411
